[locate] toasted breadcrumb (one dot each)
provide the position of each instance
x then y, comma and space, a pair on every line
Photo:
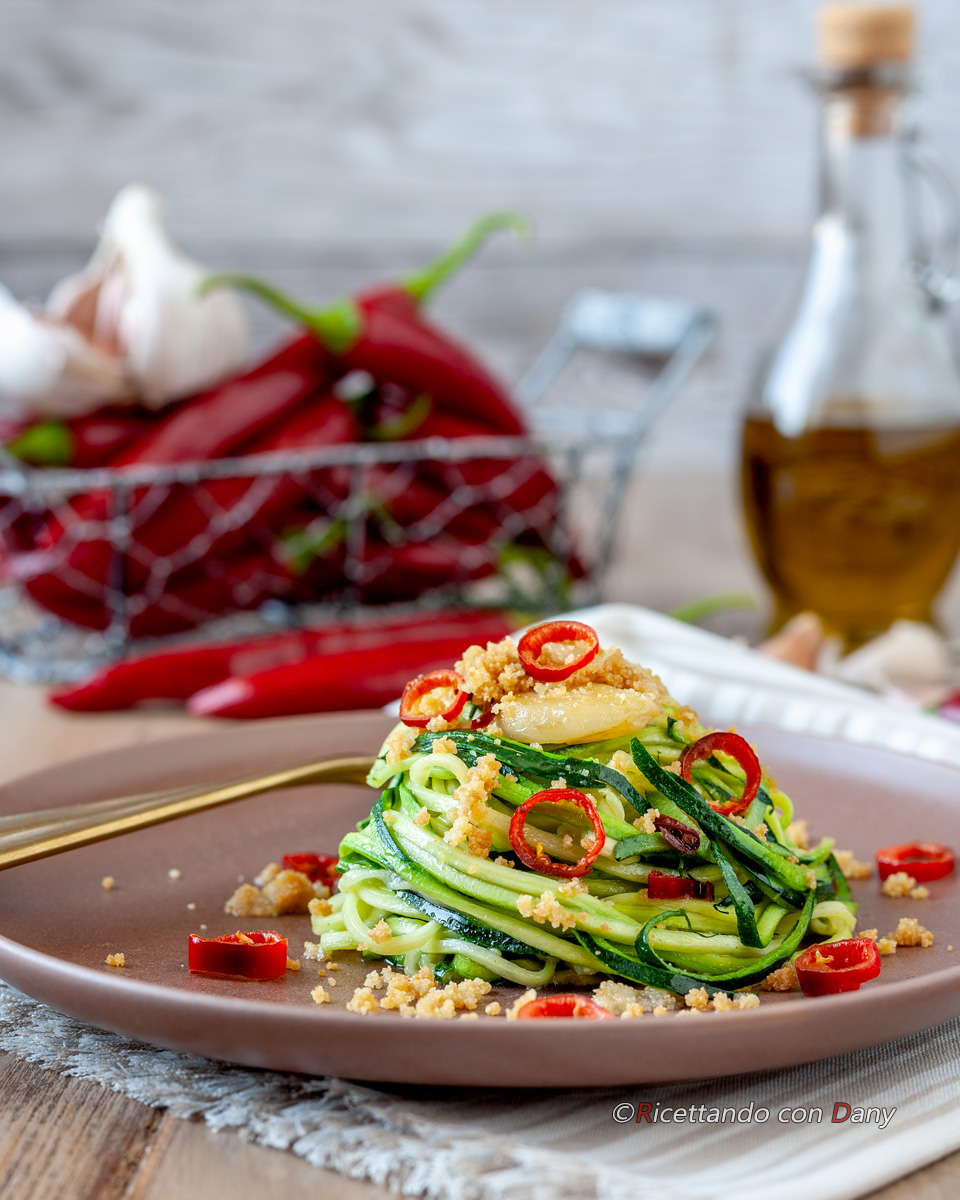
470, 1016
898, 885
784, 979
850, 867
334, 966
373, 980
444, 745
292, 964
284, 892
920, 893
744, 1000
645, 822
493, 1009
909, 932
504, 862
572, 887
312, 950
364, 1001
558, 784
175, 873
470, 807
404, 990
760, 831
547, 908
886, 945
332, 982
723, 1003
697, 998
528, 995
617, 996
444, 1002
108, 883
399, 743
495, 673
799, 833
422, 818
380, 932
270, 871
320, 995
622, 762
660, 1011
318, 907
632, 1010
115, 960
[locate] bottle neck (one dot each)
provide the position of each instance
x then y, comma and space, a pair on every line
862, 176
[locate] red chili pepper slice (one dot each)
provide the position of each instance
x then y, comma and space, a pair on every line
661, 886
567, 1004
412, 711
482, 721
318, 868
561, 633
738, 748
537, 860
837, 966
923, 860
261, 954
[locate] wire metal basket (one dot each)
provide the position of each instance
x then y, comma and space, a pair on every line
99, 562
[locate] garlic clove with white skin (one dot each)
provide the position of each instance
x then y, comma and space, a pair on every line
139, 296
48, 368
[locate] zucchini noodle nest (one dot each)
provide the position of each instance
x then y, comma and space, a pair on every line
424, 885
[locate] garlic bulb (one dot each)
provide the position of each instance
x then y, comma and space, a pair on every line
48, 368
141, 295
131, 327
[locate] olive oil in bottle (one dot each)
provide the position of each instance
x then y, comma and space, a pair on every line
861, 525
851, 443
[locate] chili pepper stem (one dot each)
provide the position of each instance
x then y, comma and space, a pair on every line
422, 283
337, 326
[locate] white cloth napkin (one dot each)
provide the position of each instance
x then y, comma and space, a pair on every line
497, 1145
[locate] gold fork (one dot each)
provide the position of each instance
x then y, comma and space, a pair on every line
28, 836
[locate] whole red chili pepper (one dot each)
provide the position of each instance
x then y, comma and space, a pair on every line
177, 674
383, 332
366, 678
93, 440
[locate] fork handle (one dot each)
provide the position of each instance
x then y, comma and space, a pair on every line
64, 832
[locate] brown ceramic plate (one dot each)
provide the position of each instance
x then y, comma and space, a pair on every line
59, 926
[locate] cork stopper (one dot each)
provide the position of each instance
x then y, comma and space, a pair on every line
859, 36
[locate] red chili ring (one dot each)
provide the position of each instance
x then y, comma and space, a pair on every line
834, 967
738, 748
923, 860
533, 641
422, 686
542, 862
661, 886
567, 1004
260, 954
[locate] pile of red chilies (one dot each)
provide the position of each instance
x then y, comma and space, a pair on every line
283, 535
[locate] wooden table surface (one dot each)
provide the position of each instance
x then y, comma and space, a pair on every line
61, 1139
